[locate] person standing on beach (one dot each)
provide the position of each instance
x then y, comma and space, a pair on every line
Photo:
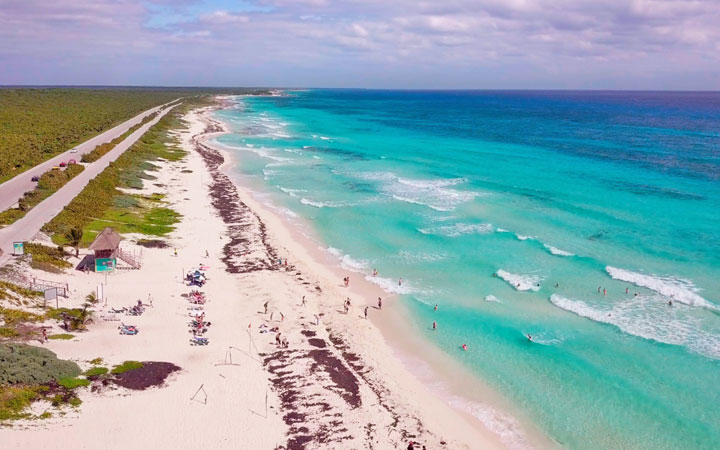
265, 305
366, 312
44, 335
379, 303
434, 325
303, 301
175, 250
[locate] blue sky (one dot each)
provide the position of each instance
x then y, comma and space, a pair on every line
531, 44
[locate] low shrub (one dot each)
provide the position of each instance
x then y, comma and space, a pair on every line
26, 364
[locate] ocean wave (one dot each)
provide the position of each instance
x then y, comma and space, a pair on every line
522, 237
506, 427
347, 261
433, 193
492, 298
319, 204
391, 286
291, 192
556, 251
648, 318
684, 291
521, 282
419, 257
502, 230
459, 229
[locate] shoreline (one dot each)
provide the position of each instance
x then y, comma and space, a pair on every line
449, 381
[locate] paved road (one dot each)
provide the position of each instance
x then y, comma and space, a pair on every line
14, 188
27, 227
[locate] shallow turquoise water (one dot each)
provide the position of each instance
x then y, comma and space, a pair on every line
584, 190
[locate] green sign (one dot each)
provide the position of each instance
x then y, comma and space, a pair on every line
18, 248
105, 264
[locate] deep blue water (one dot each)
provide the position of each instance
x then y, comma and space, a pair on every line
482, 202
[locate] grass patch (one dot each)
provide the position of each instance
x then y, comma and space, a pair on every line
61, 336
96, 361
19, 290
126, 366
15, 399
8, 332
16, 316
50, 259
73, 383
96, 371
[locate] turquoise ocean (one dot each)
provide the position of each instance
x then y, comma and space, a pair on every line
524, 213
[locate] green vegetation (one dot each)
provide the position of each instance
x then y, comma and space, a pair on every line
9, 290
75, 319
14, 400
49, 259
102, 204
16, 316
102, 149
73, 382
36, 124
73, 237
96, 361
126, 366
25, 364
61, 336
47, 185
96, 371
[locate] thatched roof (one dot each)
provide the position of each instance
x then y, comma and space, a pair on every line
108, 239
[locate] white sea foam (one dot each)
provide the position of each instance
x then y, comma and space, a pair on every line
318, 204
420, 257
678, 289
522, 237
391, 286
505, 426
557, 251
521, 282
459, 229
650, 318
501, 230
291, 192
492, 298
325, 138
347, 261
433, 193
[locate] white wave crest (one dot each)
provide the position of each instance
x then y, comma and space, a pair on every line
649, 318
492, 298
506, 427
522, 237
556, 251
348, 262
318, 204
391, 286
521, 282
678, 289
433, 193
291, 192
459, 229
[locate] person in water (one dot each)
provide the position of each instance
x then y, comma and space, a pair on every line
529, 338
464, 346
627, 291
434, 325
435, 307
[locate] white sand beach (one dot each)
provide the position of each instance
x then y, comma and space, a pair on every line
338, 384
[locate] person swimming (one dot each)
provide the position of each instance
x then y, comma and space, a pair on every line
434, 325
464, 346
529, 338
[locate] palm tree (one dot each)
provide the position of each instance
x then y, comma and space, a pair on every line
91, 298
74, 236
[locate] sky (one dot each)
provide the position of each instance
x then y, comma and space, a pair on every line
440, 44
